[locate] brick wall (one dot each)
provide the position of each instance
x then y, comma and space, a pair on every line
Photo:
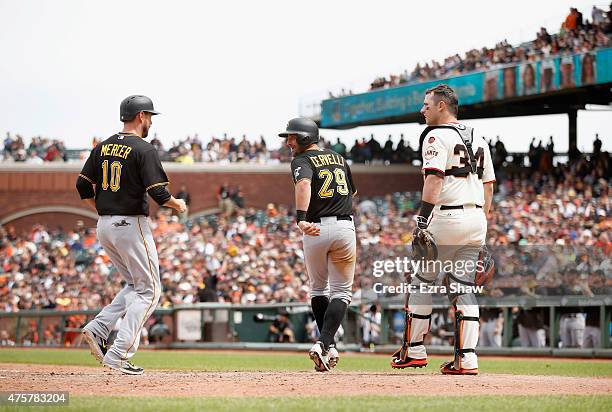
25, 187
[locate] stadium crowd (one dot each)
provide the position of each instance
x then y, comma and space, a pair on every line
254, 256
226, 150
576, 35
40, 150
217, 150
549, 232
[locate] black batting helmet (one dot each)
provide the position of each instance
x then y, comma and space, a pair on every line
306, 130
132, 105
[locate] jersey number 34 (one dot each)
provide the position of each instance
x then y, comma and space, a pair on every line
327, 176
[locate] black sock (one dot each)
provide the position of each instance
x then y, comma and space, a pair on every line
333, 318
319, 306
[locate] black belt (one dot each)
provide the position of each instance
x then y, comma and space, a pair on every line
341, 217
445, 207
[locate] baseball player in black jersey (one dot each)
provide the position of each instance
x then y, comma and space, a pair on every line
323, 193
115, 179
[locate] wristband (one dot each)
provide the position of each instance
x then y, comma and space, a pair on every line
301, 215
426, 209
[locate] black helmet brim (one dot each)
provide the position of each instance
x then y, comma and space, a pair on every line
288, 132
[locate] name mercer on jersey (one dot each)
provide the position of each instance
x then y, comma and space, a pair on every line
114, 149
327, 160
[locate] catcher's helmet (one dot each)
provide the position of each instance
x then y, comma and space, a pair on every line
132, 105
306, 130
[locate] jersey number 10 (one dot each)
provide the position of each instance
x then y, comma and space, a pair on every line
341, 185
115, 175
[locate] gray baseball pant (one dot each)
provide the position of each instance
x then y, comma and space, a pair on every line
488, 336
330, 259
128, 241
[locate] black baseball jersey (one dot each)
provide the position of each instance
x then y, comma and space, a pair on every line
123, 168
332, 187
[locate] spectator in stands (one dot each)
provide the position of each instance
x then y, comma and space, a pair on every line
226, 206
387, 151
207, 289
158, 329
573, 153
33, 158
339, 148
356, 153
5, 339
281, 329
500, 153
575, 36
597, 15
373, 150
596, 145
184, 194
404, 152
237, 197
570, 22
39, 149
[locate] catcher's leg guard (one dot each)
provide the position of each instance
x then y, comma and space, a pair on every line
412, 353
466, 338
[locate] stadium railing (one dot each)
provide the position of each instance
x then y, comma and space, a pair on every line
218, 325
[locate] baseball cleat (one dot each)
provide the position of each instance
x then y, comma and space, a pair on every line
318, 355
97, 345
332, 356
448, 368
398, 363
125, 367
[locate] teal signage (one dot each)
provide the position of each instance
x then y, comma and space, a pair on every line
530, 78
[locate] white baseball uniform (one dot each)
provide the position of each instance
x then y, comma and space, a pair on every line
458, 226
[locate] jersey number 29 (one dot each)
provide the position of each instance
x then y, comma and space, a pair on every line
341, 185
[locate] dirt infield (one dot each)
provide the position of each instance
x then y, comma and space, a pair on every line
99, 381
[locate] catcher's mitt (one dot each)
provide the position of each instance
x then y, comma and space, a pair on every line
485, 268
423, 245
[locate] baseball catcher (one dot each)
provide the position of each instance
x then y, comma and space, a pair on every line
451, 227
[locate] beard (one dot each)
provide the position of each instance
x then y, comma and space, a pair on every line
145, 131
297, 151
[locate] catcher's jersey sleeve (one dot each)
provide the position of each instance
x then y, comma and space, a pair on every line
301, 169
488, 174
435, 154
